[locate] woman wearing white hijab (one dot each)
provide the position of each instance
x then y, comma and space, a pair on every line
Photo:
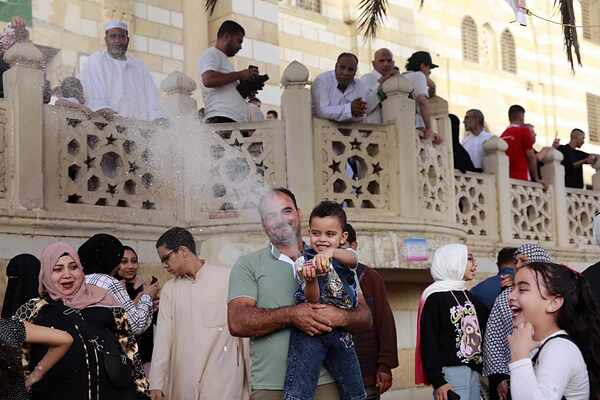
449, 336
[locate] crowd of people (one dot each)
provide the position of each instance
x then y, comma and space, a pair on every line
297, 319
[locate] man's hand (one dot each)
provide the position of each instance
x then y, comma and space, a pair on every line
155, 394
506, 281
591, 159
441, 393
543, 182
308, 272
384, 381
556, 143
387, 76
437, 139
309, 318
503, 390
427, 133
358, 107
247, 74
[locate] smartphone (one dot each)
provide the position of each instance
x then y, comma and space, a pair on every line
453, 395
154, 280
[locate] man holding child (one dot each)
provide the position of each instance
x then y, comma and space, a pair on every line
262, 302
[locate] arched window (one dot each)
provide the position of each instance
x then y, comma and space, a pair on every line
311, 5
593, 109
489, 49
509, 57
470, 41
590, 18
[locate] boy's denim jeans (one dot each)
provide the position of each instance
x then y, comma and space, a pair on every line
307, 353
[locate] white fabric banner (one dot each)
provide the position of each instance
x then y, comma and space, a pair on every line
519, 7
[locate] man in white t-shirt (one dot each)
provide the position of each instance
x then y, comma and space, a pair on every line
418, 69
383, 69
476, 136
219, 80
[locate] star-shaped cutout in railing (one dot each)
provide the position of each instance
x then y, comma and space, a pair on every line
73, 198
101, 125
236, 143
73, 122
148, 205
357, 190
133, 167
110, 139
334, 166
88, 161
355, 144
377, 168
112, 189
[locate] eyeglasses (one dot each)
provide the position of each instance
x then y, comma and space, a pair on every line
165, 259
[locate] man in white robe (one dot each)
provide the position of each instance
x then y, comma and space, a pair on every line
117, 84
194, 357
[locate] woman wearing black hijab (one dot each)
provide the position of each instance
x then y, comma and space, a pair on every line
462, 159
22, 272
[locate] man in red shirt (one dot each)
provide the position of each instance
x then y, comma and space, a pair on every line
520, 140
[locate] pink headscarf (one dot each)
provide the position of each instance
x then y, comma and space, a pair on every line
85, 296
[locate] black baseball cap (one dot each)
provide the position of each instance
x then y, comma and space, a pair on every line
421, 57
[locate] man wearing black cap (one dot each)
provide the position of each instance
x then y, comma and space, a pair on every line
418, 69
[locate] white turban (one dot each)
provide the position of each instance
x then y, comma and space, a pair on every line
115, 24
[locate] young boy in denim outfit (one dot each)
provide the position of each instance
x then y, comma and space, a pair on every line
326, 275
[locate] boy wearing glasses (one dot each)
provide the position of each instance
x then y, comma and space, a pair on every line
194, 355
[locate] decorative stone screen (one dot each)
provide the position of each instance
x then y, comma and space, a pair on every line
434, 178
590, 19
354, 164
3, 150
531, 211
470, 40
475, 202
582, 206
593, 110
244, 160
509, 54
311, 5
106, 164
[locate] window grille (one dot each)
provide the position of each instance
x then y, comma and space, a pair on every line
509, 56
593, 110
470, 41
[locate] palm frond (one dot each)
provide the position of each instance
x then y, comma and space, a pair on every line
372, 13
569, 30
210, 5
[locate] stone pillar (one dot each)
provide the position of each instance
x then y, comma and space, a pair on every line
596, 176
23, 88
296, 116
400, 110
553, 174
495, 162
195, 35
178, 88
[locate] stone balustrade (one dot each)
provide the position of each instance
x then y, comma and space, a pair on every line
64, 173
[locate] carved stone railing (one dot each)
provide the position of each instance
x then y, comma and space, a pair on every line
531, 212
582, 206
476, 204
354, 163
4, 149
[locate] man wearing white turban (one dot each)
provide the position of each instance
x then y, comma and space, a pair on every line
592, 274
117, 84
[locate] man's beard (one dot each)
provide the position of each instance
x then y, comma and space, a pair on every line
284, 235
117, 51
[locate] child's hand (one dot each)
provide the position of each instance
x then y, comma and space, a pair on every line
308, 272
321, 263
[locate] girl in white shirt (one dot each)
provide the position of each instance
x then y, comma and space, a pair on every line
557, 324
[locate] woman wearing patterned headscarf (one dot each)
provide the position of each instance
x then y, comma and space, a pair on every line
449, 337
496, 351
103, 362
22, 272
